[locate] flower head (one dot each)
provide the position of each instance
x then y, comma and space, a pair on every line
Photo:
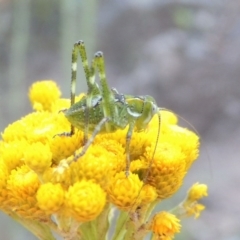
164, 226
50, 197
85, 200
197, 191
43, 94
191, 205
49, 177
124, 191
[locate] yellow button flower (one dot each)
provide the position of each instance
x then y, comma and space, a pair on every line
167, 170
3, 180
12, 153
197, 191
44, 186
65, 146
62, 173
194, 209
185, 139
50, 197
38, 157
191, 205
43, 94
85, 200
165, 225
124, 192
22, 186
22, 182
148, 194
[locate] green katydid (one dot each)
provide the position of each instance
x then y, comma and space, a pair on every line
104, 110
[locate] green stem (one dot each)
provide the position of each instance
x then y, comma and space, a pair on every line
102, 223
89, 231
150, 209
120, 230
179, 211
63, 222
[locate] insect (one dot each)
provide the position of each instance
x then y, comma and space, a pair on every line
104, 110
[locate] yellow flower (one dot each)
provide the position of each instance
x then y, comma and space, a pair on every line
43, 94
167, 169
50, 197
148, 194
124, 191
38, 157
22, 182
191, 207
61, 173
197, 191
35, 127
22, 187
194, 209
46, 184
185, 139
3, 180
167, 118
98, 165
64, 146
85, 200
12, 154
165, 225
3, 174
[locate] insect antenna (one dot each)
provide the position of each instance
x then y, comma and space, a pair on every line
153, 154
134, 214
194, 130
197, 132
155, 148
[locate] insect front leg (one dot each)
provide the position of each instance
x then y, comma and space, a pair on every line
91, 139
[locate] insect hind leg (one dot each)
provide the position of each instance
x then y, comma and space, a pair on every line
93, 88
79, 48
89, 71
109, 107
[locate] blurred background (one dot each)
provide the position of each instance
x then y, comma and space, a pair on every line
184, 53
